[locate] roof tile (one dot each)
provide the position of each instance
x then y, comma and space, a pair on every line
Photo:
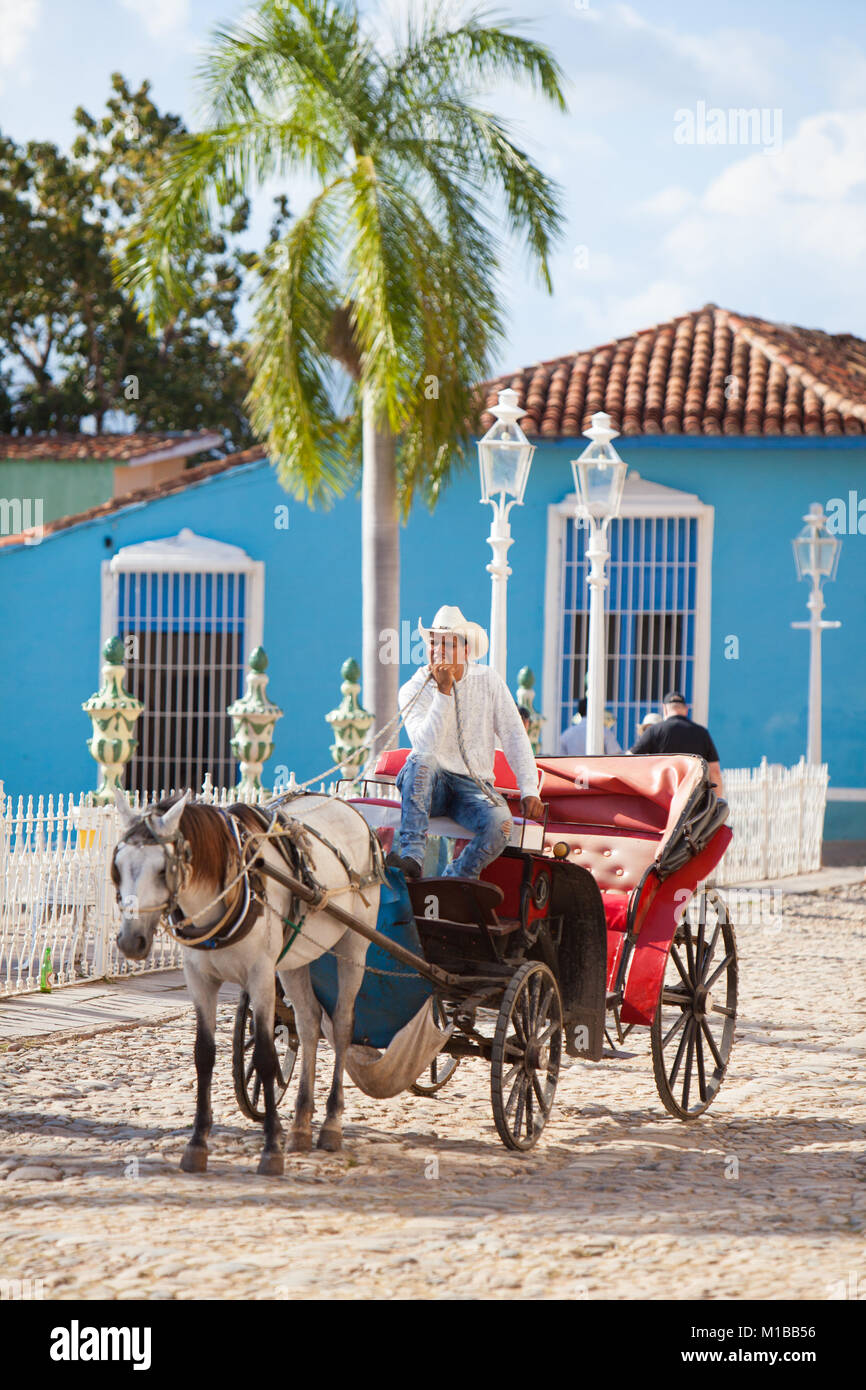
708, 372
123, 448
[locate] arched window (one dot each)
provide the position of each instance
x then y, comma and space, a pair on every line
189, 611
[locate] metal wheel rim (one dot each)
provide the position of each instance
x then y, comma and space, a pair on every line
691, 1044
526, 1055
248, 1087
443, 1066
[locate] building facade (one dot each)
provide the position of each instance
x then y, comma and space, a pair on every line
196, 571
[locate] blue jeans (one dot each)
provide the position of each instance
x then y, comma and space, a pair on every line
428, 790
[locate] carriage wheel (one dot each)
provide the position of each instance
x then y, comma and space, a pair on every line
248, 1086
527, 1048
443, 1066
693, 1031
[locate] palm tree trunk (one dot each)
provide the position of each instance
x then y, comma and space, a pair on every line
380, 570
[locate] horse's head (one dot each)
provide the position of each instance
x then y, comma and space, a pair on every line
149, 867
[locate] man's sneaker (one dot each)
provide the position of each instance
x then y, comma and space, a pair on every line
411, 868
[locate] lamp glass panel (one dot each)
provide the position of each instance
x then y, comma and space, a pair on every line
505, 460
816, 555
601, 483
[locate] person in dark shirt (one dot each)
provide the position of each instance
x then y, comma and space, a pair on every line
678, 734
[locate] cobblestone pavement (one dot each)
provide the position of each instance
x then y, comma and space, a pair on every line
764, 1197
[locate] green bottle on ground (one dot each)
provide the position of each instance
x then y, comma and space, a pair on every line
45, 972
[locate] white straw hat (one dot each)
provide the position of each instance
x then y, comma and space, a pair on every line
450, 619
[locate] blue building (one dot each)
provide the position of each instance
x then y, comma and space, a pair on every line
731, 427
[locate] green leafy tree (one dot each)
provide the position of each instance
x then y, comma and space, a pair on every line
72, 339
389, 273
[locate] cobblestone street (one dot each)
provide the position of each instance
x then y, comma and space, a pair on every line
763, 1198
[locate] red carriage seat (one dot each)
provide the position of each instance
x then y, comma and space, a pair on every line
391, 761
616, 814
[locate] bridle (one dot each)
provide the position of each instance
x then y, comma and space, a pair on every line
177, 852
178, 859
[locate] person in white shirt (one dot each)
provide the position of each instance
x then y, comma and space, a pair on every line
573, 740
461, 709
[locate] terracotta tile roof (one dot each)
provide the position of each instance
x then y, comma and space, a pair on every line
119, 448
711, 372
148, 494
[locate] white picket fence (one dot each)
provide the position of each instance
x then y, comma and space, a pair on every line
777, 816
56, 894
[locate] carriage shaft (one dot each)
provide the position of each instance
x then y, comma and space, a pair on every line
433, 973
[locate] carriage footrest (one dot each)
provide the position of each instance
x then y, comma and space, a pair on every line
499, 928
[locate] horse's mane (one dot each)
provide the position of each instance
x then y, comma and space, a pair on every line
208, 834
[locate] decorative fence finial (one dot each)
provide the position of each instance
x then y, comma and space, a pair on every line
253, 719
526, 700
113, 712
349, 722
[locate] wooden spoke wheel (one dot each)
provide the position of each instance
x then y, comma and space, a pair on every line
443, 1066
248, 1086
526, 1054
693, 1031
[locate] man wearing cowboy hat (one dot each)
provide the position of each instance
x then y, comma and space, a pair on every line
462, 709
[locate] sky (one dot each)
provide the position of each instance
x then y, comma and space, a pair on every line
672, 200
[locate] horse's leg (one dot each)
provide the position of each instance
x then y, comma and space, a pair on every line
204, 993
308, 1016
350, 973
260, 984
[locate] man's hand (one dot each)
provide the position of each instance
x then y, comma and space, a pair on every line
443, 675
533, 808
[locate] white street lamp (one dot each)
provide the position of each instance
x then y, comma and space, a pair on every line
505, 456
816, 555
599, 478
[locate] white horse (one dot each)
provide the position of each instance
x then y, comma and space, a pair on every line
184, 857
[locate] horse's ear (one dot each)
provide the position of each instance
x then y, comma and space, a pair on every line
166, 827
124, 810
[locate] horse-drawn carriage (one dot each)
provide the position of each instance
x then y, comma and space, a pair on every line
583, 928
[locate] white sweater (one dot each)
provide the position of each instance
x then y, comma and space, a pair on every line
487, 713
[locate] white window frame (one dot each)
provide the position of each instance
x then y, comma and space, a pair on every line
641, 498
185, 553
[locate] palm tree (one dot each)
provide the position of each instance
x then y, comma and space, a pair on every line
376, 308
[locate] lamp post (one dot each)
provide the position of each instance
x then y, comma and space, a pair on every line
816, 555
505, 456
599, 478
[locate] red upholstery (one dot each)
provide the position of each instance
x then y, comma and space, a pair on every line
617, 859
615, 908
655, 779
615, 813
392, 759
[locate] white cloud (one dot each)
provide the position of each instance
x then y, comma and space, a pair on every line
805, 205
667, 203
845, 66
596, 319
160, 17
745, 57
18, 19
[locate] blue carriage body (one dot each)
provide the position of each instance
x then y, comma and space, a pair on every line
386, 1002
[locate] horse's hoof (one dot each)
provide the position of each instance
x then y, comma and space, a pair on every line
271, 1165
194, 1160
330, 1140
300, 1143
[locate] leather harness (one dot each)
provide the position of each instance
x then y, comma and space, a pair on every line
240, 919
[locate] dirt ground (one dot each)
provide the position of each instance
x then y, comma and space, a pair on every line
764, 1197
